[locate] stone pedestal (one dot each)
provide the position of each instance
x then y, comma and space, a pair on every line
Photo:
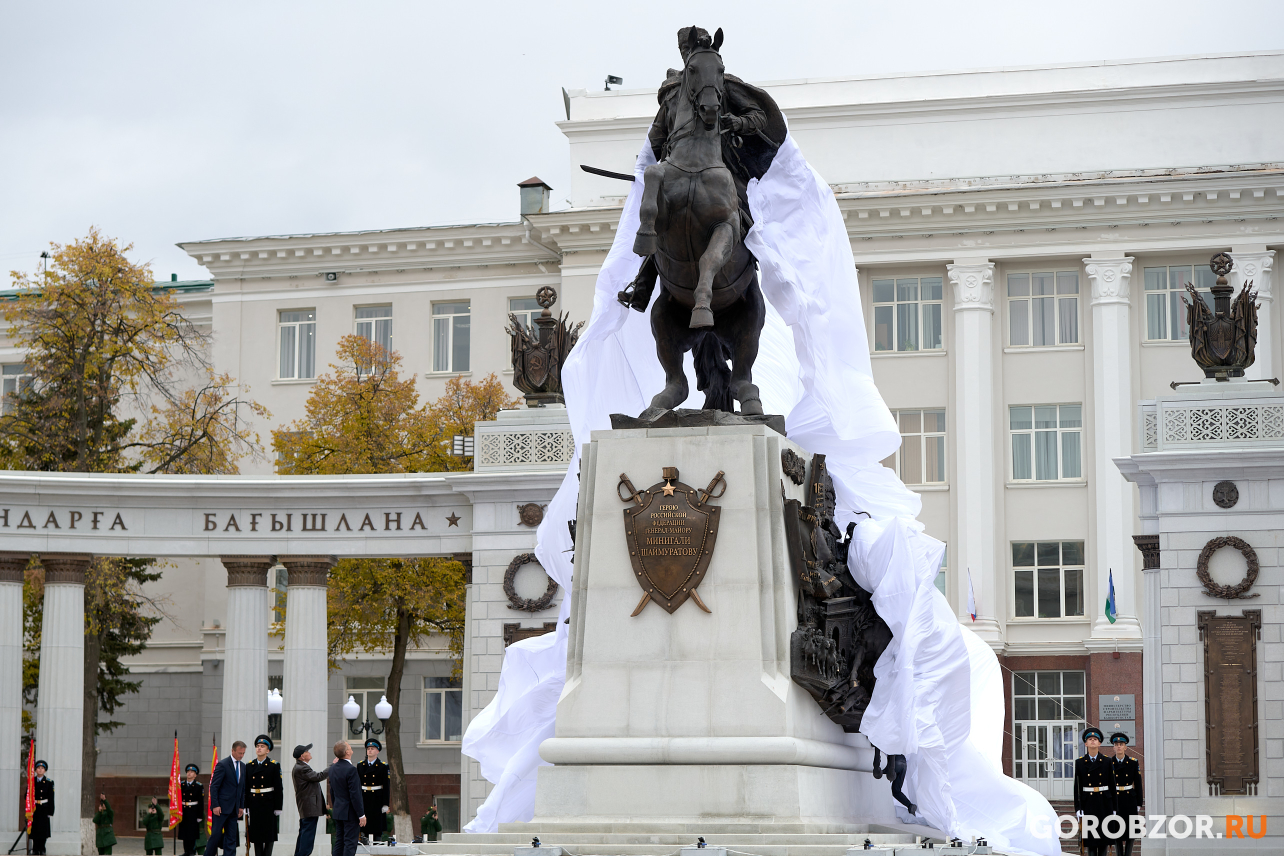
245, 670
692, 717
12, 566
303, 691
59, 712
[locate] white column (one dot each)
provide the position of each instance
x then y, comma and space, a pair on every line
1254, 263
245, 669
61, 695
1112, 401
304, 682
1152, 673
12, 566
975, 468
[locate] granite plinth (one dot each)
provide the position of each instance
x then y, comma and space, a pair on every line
686, 418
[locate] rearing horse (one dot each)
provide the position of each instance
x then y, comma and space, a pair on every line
690, 226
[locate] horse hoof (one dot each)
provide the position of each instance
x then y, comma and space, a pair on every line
751, 407
644, 244
701, 318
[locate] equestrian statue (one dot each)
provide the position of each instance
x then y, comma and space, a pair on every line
712, 134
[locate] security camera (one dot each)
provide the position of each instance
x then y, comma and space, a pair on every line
332, 276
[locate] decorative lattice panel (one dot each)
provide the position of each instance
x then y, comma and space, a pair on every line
1150, 430
515, 448
1212, 423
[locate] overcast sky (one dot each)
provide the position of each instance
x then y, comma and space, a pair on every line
164, 121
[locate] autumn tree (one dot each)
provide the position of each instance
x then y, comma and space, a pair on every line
111, 360
363, 417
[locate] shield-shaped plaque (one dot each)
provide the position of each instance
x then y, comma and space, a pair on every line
671, 533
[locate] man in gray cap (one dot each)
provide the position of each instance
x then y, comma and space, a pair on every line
307, 793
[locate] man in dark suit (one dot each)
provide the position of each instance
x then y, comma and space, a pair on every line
345, 795
227, 802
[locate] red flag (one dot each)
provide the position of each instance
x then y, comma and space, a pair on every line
175, 790
209, 802
29, 804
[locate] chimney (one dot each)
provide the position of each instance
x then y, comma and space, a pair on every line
534, 196
173, 277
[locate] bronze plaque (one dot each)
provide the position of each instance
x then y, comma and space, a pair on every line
671, 531
1230, 697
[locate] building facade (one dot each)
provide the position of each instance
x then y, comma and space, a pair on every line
1023, 239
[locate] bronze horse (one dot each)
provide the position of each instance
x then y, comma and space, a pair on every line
693, 219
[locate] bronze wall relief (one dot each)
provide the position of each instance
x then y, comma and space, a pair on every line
1230, 698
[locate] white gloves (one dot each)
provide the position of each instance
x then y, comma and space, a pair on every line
1078, 814
277, 812
385, 809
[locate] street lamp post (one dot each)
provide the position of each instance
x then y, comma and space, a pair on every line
352, 710
274, 710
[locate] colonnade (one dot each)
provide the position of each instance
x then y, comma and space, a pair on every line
60, 703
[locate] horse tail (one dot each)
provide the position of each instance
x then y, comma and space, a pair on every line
713, 377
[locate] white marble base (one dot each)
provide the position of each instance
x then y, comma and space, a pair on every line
824, 799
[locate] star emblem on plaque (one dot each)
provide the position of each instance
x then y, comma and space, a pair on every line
671, 530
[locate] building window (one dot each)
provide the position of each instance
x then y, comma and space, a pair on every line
17, 380
907, 314
448, 811
1043, 308
1047, 716
940, 574
1165, 287
525, 310
1048, 578
1047, 442
280, 586
450, 326
443, 710
921, 456
143, 803
375, 323
298, 336
366, 692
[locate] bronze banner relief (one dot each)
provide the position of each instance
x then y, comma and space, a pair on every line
671, 531
1230, 698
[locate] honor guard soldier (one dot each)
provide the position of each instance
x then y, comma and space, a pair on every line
263, 797
193, 822
374, 789
44, 797
1094, 792
1127, 789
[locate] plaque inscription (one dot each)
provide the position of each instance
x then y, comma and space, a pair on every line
671, 530
1230, 697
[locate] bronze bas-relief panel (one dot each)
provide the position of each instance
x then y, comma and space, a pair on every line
671, 532
1230, 698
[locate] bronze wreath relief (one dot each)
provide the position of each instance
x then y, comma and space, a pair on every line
516, 601
1213, 589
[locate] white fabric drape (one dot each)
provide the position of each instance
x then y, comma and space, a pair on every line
939, 698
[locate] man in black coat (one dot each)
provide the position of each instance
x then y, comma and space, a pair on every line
1094, 792
374, 789
263, 797
44, 796
1128, 790
189, 828
227, 801
345, 798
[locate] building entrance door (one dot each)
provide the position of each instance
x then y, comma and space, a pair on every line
1044, 756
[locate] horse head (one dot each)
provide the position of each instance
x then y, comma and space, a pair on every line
702, 77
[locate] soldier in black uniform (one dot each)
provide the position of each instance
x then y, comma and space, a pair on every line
44, 796
263, 797
189, 828
1094, 792
1127, 789
374, 789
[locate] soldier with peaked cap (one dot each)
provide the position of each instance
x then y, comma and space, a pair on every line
1128, 790
374, 789
1094, 792
193, 822
44, 798
263, 797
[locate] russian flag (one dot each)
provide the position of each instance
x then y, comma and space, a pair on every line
971, 596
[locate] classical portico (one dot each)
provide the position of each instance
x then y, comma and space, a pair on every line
252, 524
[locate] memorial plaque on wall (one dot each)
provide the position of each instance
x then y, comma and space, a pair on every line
1230, 697
1117, 706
